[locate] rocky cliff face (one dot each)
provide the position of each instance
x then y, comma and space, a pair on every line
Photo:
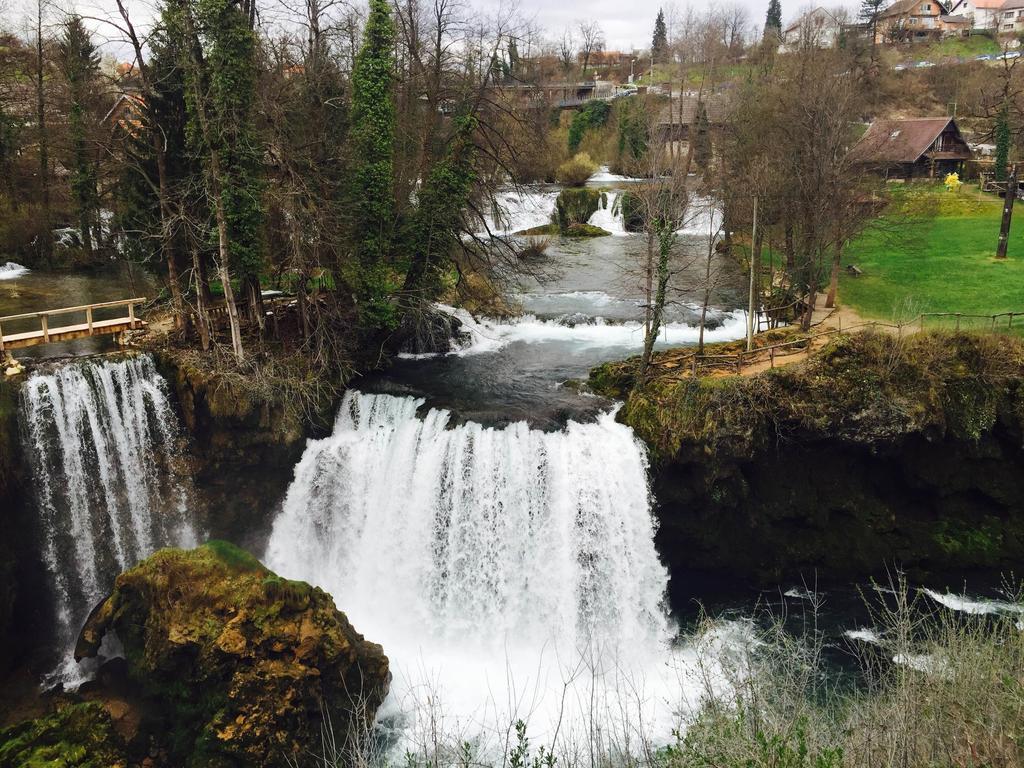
239, 666
245, 445
22, 577
876, 452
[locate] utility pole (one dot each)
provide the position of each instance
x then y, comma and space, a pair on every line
751, 304
1004, 229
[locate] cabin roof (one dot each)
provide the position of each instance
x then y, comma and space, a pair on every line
902, 141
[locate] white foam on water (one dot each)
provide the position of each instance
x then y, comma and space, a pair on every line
703, 218
517, 210
609, 217
491, 335
603, 175
508, 573
11, 270
864, 635
965, 604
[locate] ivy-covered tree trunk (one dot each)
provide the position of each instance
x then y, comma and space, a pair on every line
371, 189
1002, 136
435, 229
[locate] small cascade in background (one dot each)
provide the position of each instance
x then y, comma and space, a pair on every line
609, 217
12, 270
507, 572
102, 440
518, 210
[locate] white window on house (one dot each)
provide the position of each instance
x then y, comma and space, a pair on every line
926, 7
1008, 15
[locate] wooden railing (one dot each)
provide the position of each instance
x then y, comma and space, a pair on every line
91, 327
695, 362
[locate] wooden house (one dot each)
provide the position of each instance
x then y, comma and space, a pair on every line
924, 147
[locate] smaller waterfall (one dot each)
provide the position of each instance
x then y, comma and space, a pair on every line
102, 437
11, 270
515, 211
609, 217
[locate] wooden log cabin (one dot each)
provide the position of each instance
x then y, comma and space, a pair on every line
915, 148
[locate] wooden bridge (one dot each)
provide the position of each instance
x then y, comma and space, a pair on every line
47, 334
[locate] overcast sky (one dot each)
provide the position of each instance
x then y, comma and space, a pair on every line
627, 24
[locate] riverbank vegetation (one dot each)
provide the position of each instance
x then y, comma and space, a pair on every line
860, 387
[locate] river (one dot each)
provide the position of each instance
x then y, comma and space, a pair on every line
490, 526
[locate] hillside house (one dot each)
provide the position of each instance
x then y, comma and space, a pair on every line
981, 14
927, 147
819, 28
917, 19
1011, 17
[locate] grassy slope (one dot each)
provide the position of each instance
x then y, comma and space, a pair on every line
935, 252
950, 47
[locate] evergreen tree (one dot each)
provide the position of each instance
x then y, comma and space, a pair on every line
513, 57
80, 63
1002, 136
773, 20
869, 14
373, 145
231, 72
659, 42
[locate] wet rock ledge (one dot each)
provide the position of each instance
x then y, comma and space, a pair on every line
876, 452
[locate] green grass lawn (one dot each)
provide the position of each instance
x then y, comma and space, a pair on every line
935, 252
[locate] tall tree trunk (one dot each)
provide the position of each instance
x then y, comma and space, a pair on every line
833, 283
657, 313
216, 192
46, 244
649, 282
223, 257
167, 249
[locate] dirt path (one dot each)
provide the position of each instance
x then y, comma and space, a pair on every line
825, 323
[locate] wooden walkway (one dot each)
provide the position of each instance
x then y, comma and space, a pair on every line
48, 334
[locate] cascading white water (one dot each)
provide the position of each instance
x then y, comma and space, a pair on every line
609, 216
11, 270
494, 565
514, 211
101, 439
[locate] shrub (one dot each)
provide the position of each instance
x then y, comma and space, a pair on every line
575, 206
593, 114
576, 171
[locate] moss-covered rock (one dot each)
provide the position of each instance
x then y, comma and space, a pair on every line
75, 736
242, 664
575, 206
876, 451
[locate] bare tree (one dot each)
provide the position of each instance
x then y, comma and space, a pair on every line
567, 50
591, 42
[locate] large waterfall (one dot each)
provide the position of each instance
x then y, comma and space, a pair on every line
509, 573
102, 441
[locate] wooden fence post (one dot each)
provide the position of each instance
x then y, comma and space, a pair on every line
44, 321
88, 319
